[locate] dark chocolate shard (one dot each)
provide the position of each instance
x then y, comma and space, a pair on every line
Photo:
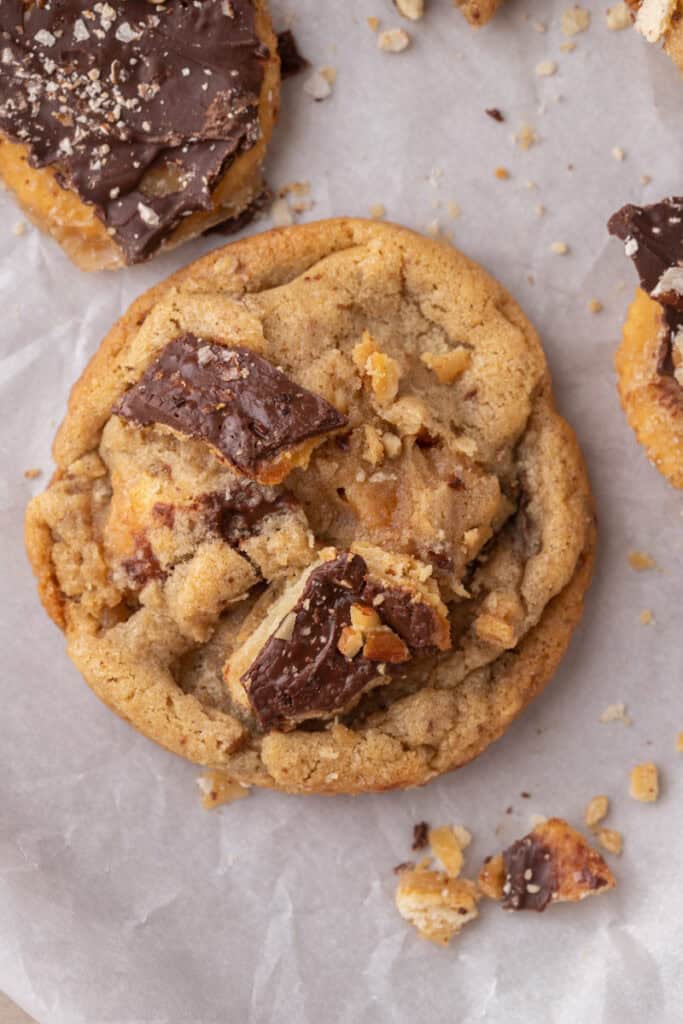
291, 60
301, 672
233, 399
240, 513
143, 565
140, 107
530, 879
653, 237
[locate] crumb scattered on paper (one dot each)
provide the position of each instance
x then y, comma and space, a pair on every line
217, 788
574, 20
644, 782
616, 713
618, 17
32, 474
640, 561
597, 810
393, 40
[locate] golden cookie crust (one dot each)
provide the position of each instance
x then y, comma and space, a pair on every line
652, 401
73, 223
290, 282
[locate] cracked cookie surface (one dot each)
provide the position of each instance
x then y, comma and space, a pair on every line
316, 519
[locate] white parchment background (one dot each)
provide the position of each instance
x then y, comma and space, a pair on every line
121, 901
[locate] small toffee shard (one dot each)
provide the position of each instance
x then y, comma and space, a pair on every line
256, 418
334, 643
653, 239
553, 864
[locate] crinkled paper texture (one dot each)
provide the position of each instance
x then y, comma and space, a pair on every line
121, 900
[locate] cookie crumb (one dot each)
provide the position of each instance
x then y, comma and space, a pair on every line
539, 209
438, 906
217, 788
537, 819
595, 306
574, 20
502, 173
645, 179
492, 877
646, 617
618, 153
453, 210
281, 213
559, 248
19, 228
495, 114
546, 68
411, 9
616, 713
420, 835
318, 85
32, 474
644, 782
611, 840
447, 849
568, 47
377, 211
679, 743
393, 40
447, 367
640, 561
526, 137
597, 810
618, 17
373, 23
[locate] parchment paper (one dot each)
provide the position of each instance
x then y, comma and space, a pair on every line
121, 900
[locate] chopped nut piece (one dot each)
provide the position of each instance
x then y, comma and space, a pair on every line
385, 645
595, 306
644, 782
492, 877
350, 642
437, 905
449, 365
447, 849
611, 840
393, 40
552, 864
495, 631
641, 562
412, 9
218, 788
364, 618
546, 68
559, 248
597, 810
618, 17
463, 835
616, 713
574, 20
373, 452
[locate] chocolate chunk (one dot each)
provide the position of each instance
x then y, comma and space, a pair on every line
420, 835
301, 673
530, 879
232, 398
143, 565
140, 107
495, 114
653, 237
240, 512
291, 61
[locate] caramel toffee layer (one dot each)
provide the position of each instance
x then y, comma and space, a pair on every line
653, 239
301, 671
530, 879
140, 106
232, 398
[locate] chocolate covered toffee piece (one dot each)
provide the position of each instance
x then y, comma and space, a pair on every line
316, 521
661, 21
650, 359
553, 864
130, 126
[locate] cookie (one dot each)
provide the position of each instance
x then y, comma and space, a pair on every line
661, 21
649, 361
128, 127
315, 519
478, 12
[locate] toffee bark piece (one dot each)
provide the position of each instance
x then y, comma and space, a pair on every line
308, 666
140, 108
553, 864
251, 413
653, 238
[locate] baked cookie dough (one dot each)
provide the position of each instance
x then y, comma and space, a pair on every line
649, 360
661, 21
478, 12
130, 126
316, 519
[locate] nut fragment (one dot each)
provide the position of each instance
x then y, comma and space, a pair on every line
437, 905
393, 40
364, 618
597, 810
385, 645
350, 642
218, 788
644, 782
383, 372
447, 849
611, 840
495, 631
449, 365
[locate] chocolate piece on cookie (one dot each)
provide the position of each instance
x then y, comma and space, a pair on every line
553, 864
337, 632
650, 359
130, 126
316, 520
255, 417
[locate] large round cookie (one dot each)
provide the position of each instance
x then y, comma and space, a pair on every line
131, 126
316, 519
649, 361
